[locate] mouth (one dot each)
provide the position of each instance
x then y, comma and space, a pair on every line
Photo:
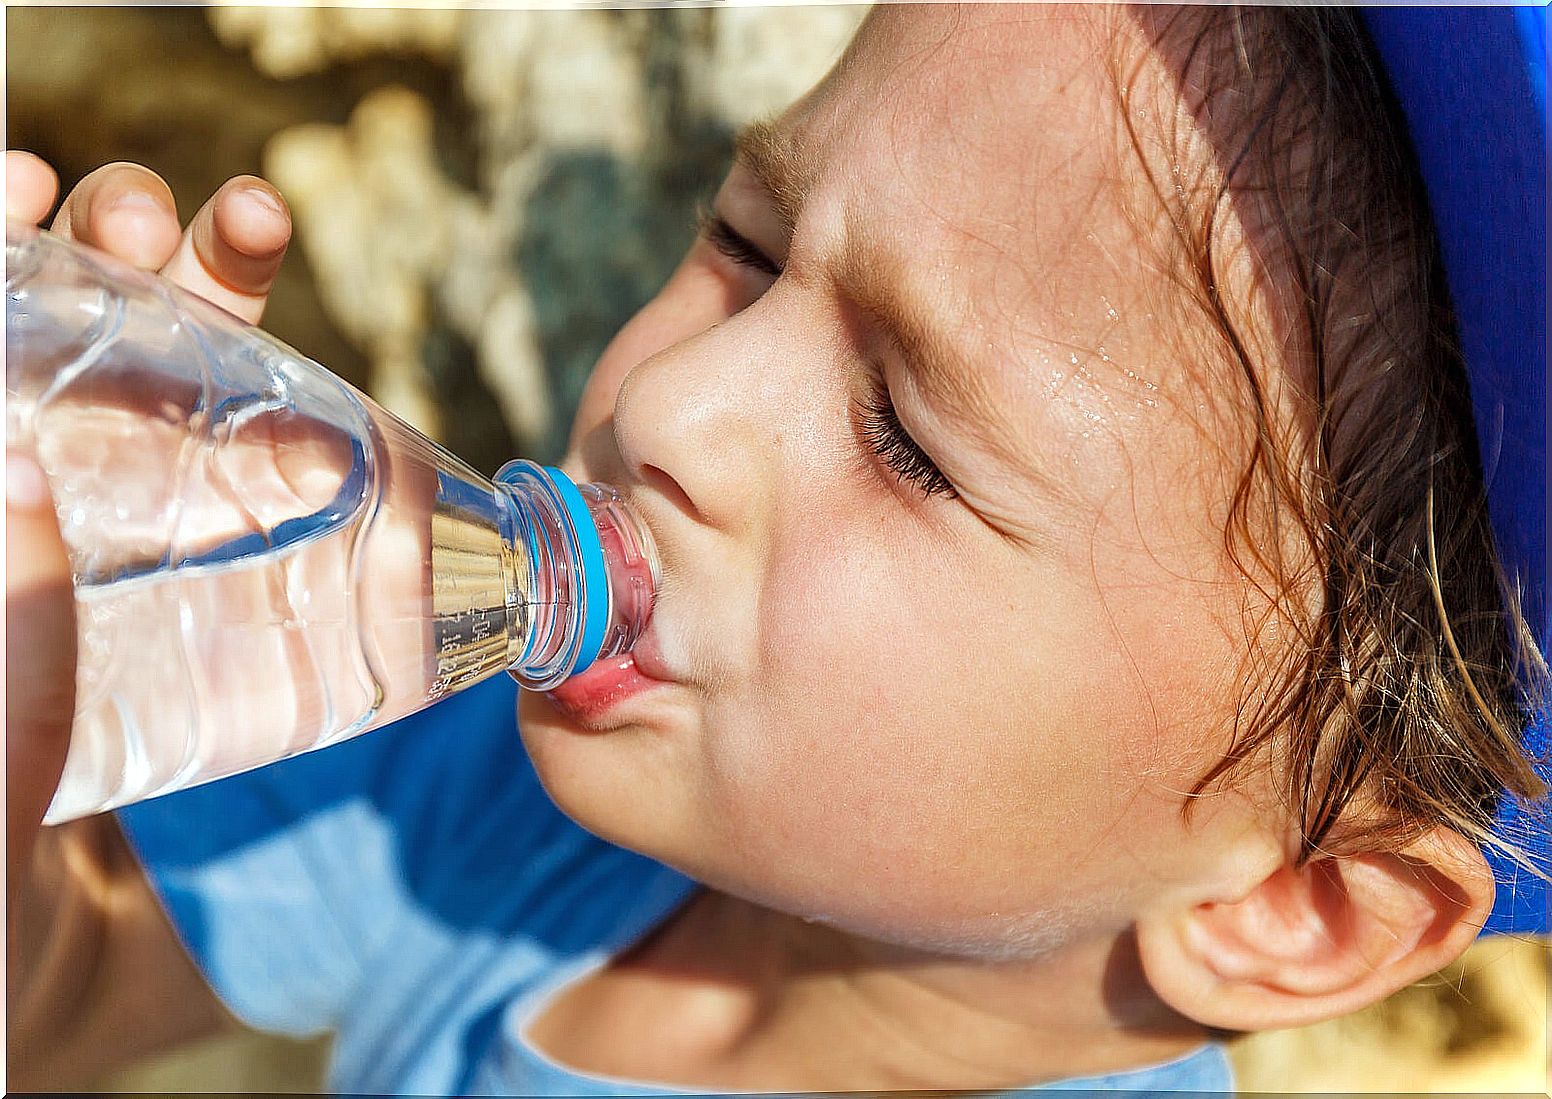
592, 698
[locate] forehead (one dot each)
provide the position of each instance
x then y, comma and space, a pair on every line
1011, 97
981, 154
1020, 100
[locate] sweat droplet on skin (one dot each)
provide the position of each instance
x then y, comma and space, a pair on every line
1148, 388
1086, 400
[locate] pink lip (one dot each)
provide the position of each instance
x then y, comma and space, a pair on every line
588, 698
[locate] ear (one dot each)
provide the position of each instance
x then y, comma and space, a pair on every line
1321, 940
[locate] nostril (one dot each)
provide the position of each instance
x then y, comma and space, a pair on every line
664, 483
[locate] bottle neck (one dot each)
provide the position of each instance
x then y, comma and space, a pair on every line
583, 573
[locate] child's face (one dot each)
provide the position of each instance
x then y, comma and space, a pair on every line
967, 719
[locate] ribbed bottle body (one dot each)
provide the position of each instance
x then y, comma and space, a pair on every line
265, 561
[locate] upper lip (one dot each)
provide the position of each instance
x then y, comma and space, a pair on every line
648, 654
648, 651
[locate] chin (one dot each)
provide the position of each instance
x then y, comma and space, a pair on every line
619, 785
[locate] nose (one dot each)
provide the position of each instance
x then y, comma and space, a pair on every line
716, 422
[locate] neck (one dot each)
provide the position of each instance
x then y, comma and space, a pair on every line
777, 991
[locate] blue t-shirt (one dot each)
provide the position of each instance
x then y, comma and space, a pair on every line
417, 893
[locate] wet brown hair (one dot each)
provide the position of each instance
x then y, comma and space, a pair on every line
1400, 700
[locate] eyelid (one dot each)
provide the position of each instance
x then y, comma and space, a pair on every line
733, 244
893, 443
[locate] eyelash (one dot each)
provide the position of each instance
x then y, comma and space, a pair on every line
734, 245
876, 415
883, 432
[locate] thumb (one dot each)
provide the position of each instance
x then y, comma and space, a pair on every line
39, 657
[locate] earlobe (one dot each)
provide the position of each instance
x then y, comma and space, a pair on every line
1320, 940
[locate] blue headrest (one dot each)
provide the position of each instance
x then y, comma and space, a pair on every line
1472, 83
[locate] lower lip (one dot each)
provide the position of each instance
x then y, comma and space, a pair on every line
588, 698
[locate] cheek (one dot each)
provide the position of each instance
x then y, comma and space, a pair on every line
919, 748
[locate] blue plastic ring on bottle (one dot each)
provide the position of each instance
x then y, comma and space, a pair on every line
595, 574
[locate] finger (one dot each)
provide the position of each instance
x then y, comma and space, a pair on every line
40, 654
30, 187
125, 210
232, 250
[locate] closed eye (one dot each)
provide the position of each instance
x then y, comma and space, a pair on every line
733, 244
881, 427
888, 438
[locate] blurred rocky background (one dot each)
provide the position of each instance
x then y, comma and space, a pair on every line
482, 198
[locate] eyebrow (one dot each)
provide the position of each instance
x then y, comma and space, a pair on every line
779, 166
787, 176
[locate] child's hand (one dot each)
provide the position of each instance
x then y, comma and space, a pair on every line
39, 660
229, 253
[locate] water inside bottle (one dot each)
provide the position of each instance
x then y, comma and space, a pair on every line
310, 639
265, 561
265, 584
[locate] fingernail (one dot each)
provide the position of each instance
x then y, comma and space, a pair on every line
26, 487
135, 200
266, 200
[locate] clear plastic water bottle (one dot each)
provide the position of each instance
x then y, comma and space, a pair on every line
265, 561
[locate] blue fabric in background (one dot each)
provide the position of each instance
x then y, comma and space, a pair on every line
1472, 82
